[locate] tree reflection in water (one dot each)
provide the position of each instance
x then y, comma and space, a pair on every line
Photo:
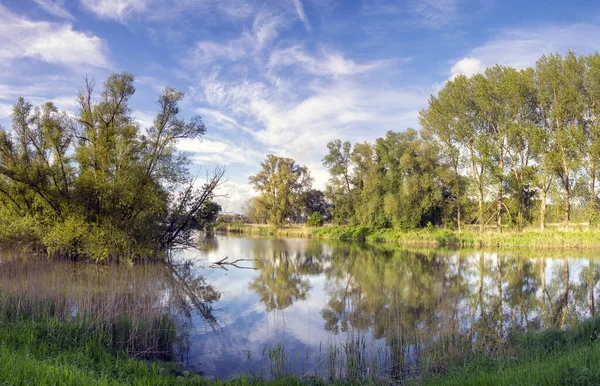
426, 306
156, 294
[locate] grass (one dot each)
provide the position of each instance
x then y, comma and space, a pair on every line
550, 238
49, 352
45, 350
551, 357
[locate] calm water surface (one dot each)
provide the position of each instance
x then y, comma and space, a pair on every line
320, 307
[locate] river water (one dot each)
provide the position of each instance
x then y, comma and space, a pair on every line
331, 308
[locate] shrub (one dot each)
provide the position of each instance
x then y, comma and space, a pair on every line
314, 220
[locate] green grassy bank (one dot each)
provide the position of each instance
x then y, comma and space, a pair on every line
45, 352
431, 236
549, 358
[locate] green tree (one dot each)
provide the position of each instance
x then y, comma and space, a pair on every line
94, 185
281, 184
207, 214
339, 163
560, 82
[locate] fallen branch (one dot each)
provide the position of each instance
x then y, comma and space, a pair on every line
222, 263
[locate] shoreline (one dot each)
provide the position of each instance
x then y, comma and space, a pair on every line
432, 237
71, 355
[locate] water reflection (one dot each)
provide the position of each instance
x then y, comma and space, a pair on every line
147, 306
329, 308
395, 308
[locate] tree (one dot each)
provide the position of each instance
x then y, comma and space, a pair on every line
94, 185
281, 184
207, 214
339, 163
313, 201
592, 127
560, 81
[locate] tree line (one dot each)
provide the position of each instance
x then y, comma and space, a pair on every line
506, 148
96, 184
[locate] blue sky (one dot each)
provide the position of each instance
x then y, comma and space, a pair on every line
282, 77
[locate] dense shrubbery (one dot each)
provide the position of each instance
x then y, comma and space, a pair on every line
97, 185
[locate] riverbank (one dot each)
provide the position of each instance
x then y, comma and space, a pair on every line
551, 357
45, 352
551, 238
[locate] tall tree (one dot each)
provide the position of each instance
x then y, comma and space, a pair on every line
281, 183
339, 163
592, 127
560, 85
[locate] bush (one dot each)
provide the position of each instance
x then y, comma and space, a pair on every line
315, 220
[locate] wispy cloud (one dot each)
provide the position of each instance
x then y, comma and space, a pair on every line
328, 63
126, 11
253, 41
50, 42
119, 10
215, 150
55, 7
300, 11
436, 13
521, 47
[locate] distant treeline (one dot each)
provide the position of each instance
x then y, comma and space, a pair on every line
95, 184
504, 148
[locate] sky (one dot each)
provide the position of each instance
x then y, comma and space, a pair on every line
277, 77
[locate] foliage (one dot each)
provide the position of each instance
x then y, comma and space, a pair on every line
314, 220
207, 214
552, 357
506, 148
96, 184
282, 184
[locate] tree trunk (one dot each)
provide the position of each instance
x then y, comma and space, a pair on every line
500, 191
499, 216
543, 210
592, 183
457, 186
567, 208
567, 187
480, 199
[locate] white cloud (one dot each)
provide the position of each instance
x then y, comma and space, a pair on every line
251, 42
522, 47
118, 10
289, 102
301, 14
215, 150
232, 196
49, 42
329, 63
55, 7
5, 111
436, 13
223, 121
467, 66
123, 11
144, 118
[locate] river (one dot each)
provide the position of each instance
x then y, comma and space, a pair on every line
328, 308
